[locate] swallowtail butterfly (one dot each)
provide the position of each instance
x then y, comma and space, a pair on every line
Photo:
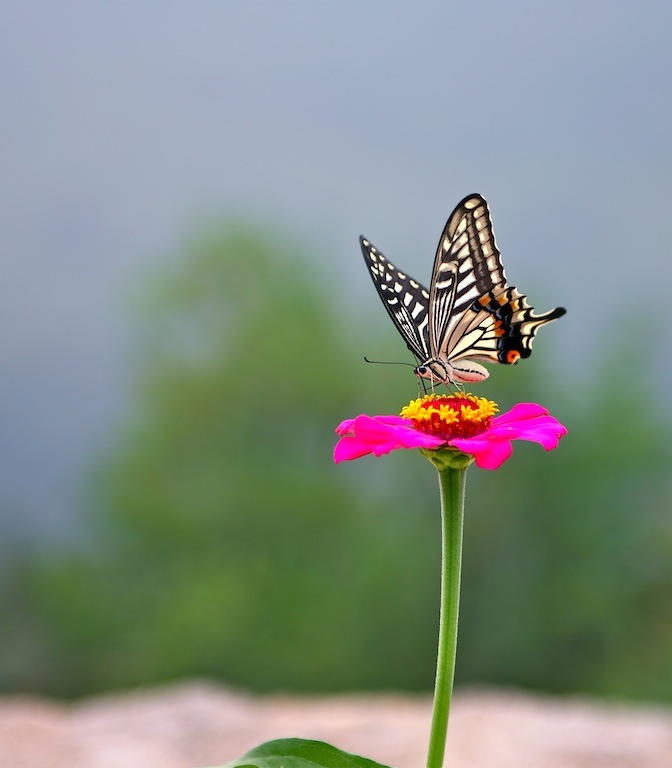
470, 314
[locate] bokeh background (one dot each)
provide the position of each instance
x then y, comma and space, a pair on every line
184, 313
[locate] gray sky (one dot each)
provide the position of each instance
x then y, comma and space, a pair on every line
126, 124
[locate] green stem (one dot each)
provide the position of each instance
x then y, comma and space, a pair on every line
452, 483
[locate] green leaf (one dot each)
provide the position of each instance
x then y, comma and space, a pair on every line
300, 753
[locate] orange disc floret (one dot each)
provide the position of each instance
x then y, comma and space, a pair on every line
450, 416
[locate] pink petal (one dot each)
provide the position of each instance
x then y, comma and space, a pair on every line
520, 412
544, 430
525, 421
348, 448
346, 426
488, 454
378, 435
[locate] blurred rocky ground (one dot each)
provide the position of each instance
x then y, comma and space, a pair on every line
203, 724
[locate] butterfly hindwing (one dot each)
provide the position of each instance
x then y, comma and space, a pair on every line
406, 300
499, 328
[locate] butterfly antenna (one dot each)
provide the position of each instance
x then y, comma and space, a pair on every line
386, 362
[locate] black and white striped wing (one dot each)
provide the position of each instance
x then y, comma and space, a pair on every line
467, 266
405, 299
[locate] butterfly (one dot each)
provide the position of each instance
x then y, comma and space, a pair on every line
469, 315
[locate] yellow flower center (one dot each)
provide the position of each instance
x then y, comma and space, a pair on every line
449, 416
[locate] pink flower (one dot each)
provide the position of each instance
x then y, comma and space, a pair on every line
455, 422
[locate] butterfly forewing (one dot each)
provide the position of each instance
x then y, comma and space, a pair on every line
467, 251
405, 300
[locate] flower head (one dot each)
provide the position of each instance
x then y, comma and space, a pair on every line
450, 428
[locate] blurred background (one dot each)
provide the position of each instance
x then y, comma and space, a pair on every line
184, 315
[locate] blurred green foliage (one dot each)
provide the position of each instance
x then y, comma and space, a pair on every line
224, 542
